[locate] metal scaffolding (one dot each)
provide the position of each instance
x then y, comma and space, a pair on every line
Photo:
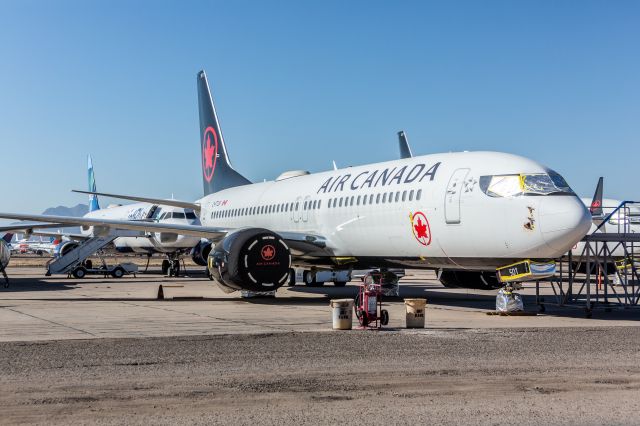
605, 273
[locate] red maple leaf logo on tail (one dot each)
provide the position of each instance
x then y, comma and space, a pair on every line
209, 153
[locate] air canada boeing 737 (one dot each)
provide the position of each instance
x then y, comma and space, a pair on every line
474, 211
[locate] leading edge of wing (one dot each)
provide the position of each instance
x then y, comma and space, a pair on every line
24, 227
135, 225
161, 201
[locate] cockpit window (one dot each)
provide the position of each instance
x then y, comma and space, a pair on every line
178, 215
191, 215
525, 184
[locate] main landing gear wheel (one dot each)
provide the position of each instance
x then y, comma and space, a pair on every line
340, 283
309, 279
292, 278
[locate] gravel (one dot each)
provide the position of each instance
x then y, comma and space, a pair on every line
488, 376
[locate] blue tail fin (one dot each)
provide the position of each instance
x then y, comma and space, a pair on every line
93, 199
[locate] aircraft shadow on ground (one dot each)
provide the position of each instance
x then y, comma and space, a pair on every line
475, 299
435, 294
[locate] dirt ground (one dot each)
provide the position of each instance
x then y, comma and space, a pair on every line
474, 376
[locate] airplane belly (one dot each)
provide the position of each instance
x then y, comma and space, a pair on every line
136, 244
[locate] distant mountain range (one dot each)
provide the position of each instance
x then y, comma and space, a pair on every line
78, 210
75, 211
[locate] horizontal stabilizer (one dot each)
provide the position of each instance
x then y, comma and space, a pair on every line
160, 201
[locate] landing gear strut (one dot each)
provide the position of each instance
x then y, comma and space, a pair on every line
171, 266
6, 277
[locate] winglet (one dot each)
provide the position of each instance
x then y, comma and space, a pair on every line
596, 203
7, 237
405, 149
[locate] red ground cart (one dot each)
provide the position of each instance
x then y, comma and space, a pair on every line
368, 305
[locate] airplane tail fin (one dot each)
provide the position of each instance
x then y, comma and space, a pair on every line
596, 203
217, 172
405, 149
93, 199
7, 237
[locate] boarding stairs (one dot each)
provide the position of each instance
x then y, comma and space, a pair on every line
74, 257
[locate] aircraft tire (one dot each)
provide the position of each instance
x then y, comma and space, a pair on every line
165, 267
339, 283
292, 278
309, 279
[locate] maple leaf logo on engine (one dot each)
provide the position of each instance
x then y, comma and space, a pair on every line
420, 228
268, 252
209, 153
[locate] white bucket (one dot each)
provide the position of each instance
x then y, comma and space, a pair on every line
415, 312
342, 313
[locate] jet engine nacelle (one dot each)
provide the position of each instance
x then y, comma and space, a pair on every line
5, 254
253, 259
67, 247
166, 237
200, 252
482, 280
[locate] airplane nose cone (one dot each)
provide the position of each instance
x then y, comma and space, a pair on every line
564, 221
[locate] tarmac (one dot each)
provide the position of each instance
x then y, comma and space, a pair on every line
107, 351
35, 308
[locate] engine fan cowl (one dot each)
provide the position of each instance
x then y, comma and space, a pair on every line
253, 259
67, 247
200, 252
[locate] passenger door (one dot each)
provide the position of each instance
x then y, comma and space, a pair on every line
452, 196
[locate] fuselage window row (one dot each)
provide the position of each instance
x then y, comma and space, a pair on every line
380, 198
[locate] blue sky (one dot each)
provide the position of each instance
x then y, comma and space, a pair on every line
299, 84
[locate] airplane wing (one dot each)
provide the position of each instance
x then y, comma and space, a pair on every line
164, 202
302, 244
24, 227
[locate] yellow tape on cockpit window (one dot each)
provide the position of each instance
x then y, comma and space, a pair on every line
522, 177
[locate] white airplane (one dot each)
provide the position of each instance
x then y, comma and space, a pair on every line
172, 245
466, 210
